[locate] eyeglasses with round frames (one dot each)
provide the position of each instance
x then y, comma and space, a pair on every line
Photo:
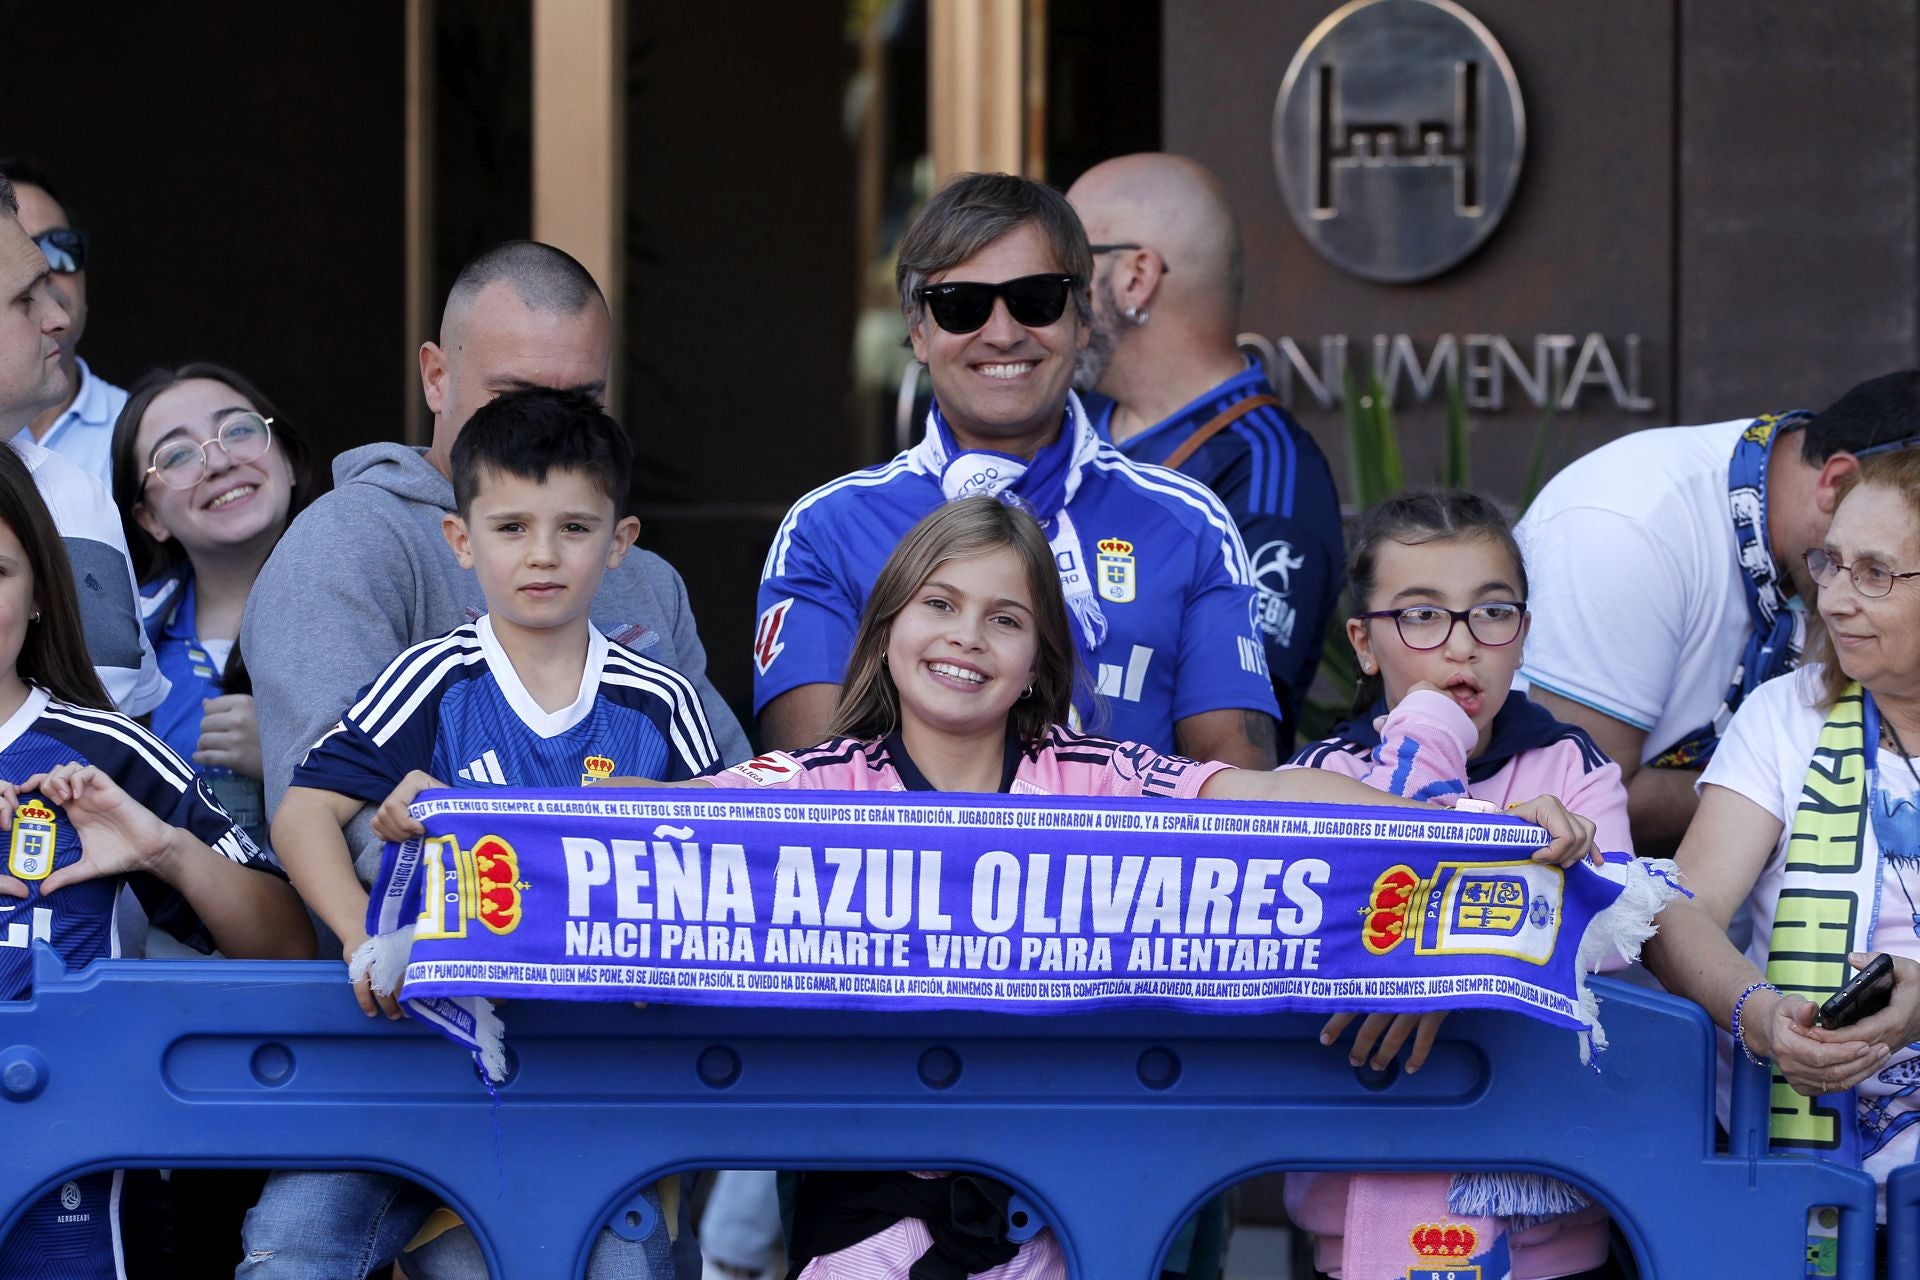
1428, 626
181, 463
1870, 578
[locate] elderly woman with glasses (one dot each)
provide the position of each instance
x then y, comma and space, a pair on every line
207, 476
1810, 813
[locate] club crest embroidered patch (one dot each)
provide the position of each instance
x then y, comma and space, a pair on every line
30, 853
482, 883
1115, 565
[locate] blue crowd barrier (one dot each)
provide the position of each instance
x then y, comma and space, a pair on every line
1114, 1127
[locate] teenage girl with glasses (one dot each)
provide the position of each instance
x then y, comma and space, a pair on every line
1440, 615
207, 475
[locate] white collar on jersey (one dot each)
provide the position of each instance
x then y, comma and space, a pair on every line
17, 723
548, 724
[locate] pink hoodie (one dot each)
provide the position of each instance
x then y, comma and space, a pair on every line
1424, 747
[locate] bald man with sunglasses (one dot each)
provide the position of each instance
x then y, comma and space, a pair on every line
993, 282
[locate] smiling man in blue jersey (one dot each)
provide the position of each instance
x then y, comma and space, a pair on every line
1175, 390
993, 281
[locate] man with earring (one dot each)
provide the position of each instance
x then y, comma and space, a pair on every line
1174, 389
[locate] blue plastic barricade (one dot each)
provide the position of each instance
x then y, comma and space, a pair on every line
1113, 1126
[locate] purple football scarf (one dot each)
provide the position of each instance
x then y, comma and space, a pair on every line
1018, 904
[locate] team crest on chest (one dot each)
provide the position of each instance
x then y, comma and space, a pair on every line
597, 769
1114, 569
30, 852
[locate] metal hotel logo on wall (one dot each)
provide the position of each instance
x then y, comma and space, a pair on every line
1398, 136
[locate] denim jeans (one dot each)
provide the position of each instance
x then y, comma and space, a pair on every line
325, 1225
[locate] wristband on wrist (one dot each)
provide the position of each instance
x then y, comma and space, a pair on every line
1741, 1040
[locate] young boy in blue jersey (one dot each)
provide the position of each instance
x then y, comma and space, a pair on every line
530, 694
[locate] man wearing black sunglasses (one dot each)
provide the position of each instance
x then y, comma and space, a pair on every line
1176, 390
992, 278
80, 427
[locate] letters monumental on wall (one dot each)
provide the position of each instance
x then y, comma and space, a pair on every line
1398, 138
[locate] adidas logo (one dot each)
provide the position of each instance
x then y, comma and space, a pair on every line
485, 769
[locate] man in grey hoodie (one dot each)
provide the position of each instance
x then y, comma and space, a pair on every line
364, 572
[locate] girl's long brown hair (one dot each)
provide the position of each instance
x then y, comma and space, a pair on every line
869, 705
54, 653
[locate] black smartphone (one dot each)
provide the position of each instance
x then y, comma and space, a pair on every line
1866, 992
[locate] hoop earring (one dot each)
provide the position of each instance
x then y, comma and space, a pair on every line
1028, 693
35, 617
1137, 316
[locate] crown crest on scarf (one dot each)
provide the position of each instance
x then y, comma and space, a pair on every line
497, 868
1443, 1240
1386, 924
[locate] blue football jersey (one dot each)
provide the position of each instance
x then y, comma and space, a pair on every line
1167, 566
69, 1234
455, 708
1276, 483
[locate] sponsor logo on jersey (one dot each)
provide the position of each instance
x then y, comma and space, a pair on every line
482, 883
30, 853
1115, 570
766, 636
1273, 566
1125, 682
598, 769
769, 770
1253, 656
484, 769
21, 934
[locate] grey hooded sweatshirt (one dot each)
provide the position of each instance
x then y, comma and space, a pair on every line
365, 572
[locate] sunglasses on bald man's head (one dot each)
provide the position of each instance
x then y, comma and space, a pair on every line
963, 306
65, 249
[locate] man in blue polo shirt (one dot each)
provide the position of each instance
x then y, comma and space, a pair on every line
1175, 390
80, 427
993, 281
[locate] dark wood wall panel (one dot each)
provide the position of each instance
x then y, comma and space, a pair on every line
240, 168
1799, 176
1587, 245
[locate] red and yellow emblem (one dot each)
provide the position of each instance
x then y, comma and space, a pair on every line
1114, 570
596, 769
1387, 906
1444, 1240
482, 883
30, 852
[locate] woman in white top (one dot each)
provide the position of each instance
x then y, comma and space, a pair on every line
1810, 813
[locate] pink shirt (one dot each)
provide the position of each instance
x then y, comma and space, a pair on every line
1424, 747
1430, 737
1064, 764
